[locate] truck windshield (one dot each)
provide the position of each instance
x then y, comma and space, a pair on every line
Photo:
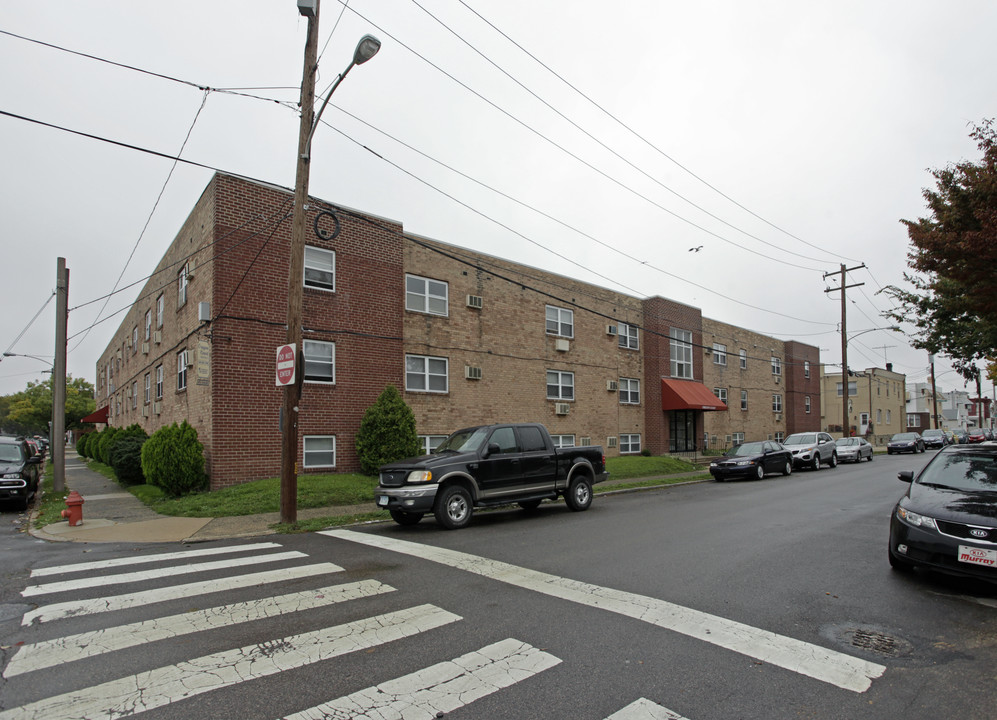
468, 440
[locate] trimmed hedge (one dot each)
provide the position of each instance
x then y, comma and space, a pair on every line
387, 432
173, 460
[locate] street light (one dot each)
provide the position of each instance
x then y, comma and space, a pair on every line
366, 49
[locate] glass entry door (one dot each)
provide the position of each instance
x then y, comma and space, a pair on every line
681, 430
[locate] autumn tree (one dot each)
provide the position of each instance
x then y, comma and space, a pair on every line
951, 298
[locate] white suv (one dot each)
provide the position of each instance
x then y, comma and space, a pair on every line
812, 449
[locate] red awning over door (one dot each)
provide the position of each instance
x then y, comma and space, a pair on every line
97, 416
688, 395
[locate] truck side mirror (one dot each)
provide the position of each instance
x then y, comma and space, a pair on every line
906, 476
492, 449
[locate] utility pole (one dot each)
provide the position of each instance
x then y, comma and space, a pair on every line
845, 424
57, 437
934, 399
295, 280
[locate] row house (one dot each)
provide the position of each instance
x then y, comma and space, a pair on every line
877, 402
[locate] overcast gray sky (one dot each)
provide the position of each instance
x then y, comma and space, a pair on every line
600, 141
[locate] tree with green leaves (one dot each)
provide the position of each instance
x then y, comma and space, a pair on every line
387, 432
28, 412
951, 300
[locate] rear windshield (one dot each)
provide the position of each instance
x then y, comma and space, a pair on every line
963, 471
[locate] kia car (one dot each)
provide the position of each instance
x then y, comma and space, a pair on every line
812, 449
947, 518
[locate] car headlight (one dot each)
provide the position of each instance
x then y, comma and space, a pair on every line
913, 518
419, 476
12, 476
745, 462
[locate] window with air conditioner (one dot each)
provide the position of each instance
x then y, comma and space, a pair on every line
425, 295
629, 391
427, 374
560, 321
628, 337
560, 385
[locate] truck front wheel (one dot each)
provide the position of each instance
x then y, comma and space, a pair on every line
579, 495
405, 518
453, 508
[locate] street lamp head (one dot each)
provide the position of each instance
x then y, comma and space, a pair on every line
366, 49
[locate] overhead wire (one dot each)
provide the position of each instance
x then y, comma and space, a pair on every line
28, 326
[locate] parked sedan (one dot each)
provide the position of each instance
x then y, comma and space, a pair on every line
752, 460
19, 471
934, 438
947, 519
853, 449
905, 442
812, 449
976, 435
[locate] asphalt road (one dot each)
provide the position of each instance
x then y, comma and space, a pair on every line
756, 599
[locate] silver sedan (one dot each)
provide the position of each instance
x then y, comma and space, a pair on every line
853, 449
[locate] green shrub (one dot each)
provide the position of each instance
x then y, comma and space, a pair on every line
387, 432
81, 445
173, 460
102, 451
126, 459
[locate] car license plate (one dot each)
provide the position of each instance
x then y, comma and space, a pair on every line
382, 500
977, 556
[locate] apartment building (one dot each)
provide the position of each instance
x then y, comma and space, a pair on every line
877, 402
467, 337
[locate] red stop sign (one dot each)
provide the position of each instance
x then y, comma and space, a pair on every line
285, 364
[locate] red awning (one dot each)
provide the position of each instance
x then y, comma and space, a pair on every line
688, 395
98, 416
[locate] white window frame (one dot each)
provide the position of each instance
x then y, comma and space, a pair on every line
562, 319
629, 336
806, 404
134, 394
564, 382
629, 391
426, 295
134, 339
889, 415
312, 262
561, 441
806, 369
315, 362
736, 438
744, 359
780, 436
427, 368
148, 325
680, 355
148, 388
430, 442
308, 453
182, 286
160, 379
744, 399
853, 388
182, 370
721, 394
776, 403
719, 354
160, 310
776, 365
629, 443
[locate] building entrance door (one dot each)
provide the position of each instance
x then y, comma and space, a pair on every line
681, 431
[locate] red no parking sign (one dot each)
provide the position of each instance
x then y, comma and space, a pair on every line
285, 365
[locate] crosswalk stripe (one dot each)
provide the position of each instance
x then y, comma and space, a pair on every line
162, 686
101, 580
85, 645
76, 608
441, 688
143, 559
644, 709
830, 666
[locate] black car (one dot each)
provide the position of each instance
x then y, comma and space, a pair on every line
934, 438
947, 519
905, 442
19, 471
752, 460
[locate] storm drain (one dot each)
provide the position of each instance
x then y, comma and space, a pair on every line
869, 639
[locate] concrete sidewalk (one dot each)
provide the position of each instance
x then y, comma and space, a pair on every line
112, 514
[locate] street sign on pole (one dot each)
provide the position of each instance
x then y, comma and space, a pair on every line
286, 365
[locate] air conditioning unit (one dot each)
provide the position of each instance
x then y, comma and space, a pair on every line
145, 348
727, 438
778, 379
585, 442
611, 330
778, 417
611, 442
562, 345
612, 385
472, 373
157, 407
145, 411
475, 301
157, 337
561, 408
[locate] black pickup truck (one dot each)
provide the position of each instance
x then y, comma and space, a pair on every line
487, 466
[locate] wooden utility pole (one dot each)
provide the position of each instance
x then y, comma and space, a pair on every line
934, 399
295, 280
845, 424
57, 438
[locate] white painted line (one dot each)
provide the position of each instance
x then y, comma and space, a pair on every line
101, 580
162, 686
441, 688
830, 666
75, 608
141, 559
89, 644
644, 709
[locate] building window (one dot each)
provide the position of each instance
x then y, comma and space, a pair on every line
182, 286
853, 388
627, 335
889, 417
134, 394
780, 436
681, 353
182, 370
148, 388
776, 366
134, 339
744, 399
744, 359
563, 440
629, 391
148, 325
806, 368
320, 361
430, 442
320, 451
737, 438
560, 321
719, 354
320, 268
721, 394
426, 374
879, 416
425, 295
629, 443
560, 385
777, 403
806, 404
160, 306
159, 382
